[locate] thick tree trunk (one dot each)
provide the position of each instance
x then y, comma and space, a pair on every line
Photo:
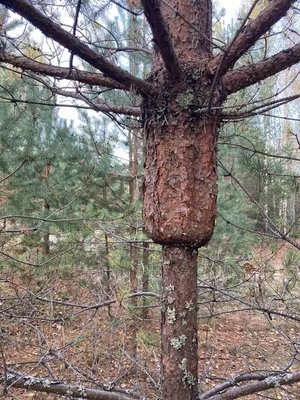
179, 357
180, 192
180, 180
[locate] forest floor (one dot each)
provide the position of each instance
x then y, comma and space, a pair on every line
85, 345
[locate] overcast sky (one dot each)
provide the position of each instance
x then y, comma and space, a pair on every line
231, 6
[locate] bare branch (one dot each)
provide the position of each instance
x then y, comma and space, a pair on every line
74, 31
12, 173
247, 76
35, 264
98, 107
259, 110
47, 386
255, 387
76, 46
277, 232
60, 72
271, 14
256, 151
161, 36
233, 381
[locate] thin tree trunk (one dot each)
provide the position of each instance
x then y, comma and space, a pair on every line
107, 270
107, 256
133, 286
179, 342
46, 246
134, 194
145, 278
133, 197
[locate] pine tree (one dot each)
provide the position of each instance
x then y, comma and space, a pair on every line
182, 111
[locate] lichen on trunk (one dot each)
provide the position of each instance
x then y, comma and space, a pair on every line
180, 182
179, 323
180, 192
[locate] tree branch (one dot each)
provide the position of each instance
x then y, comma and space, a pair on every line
74, 31
76, 46
47, 386
271, 14
161, 36
247, 76
98, 107
268, 383
60, 72
92, 104
12, 173
276, 231
233, 381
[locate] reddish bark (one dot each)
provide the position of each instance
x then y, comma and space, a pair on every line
180, 180
179, 357
180, 185
180, 190
190, 25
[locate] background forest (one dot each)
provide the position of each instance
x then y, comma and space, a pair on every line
80, 282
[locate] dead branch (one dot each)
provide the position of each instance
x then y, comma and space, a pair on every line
270, 382
60, 72
56, 387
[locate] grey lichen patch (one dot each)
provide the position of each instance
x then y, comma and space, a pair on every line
171, 314
185, 99
178, 342
188, 379
170, 288
189, 305
184, 322
288, 377
273, 381
31, 380
82, 391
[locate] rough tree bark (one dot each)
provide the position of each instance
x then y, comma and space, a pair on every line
179, 343
180, 188
181, 111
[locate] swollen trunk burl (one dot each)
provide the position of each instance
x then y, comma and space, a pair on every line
180, 186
